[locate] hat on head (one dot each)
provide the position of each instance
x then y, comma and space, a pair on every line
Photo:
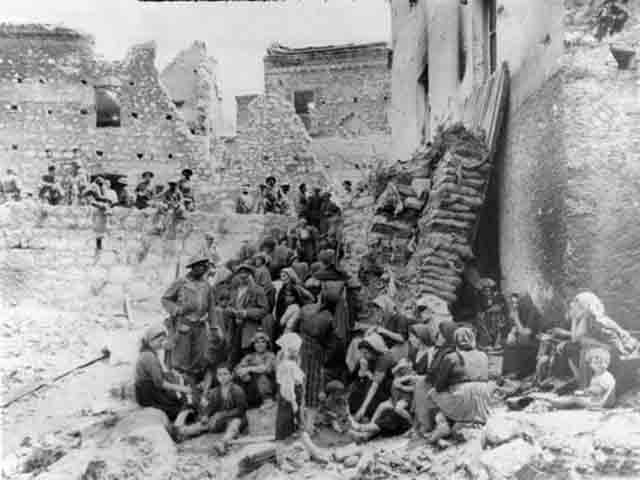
245, 267
187, 172
435, 304
196, 259
147, 174
270, 178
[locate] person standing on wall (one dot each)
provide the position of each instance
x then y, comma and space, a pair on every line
101, 204
186, 189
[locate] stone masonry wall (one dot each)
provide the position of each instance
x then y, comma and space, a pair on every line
275, 142
46, 254
47, 109
347, 89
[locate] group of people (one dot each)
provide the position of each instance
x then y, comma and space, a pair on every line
273, 198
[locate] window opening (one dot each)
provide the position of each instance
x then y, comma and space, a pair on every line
303, 103
107, 107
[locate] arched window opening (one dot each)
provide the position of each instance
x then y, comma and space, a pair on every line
107, 107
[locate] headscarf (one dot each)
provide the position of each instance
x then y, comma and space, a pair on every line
375, 342
448, 330
465, 339
385, 304
151, 334
292, 275
289, 343
591, 302
606, 329
423, 332
301, 269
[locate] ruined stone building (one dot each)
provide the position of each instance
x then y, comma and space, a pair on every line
59, 102
191, 81
333, 86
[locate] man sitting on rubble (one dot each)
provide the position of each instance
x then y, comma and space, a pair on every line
50, 190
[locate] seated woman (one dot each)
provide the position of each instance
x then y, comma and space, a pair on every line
601, 390
444, 344
375, 378
460, 391
152, 389
225, 410
591, 327
255, 372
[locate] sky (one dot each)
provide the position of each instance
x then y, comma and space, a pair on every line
237, 33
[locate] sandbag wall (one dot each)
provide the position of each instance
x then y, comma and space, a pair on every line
461, 172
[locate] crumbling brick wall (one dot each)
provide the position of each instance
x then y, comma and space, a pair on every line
47, 109
351, 85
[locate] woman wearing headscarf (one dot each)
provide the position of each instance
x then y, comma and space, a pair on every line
591, 327
152, 388
291, 293
375, 378
255, 372
445, 344
460, 391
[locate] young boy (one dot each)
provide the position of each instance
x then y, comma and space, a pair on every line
224, 411
601, 390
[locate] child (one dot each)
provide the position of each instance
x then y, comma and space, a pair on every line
224, 411
291, 380
601, 390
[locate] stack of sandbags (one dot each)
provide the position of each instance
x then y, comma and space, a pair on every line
448, 221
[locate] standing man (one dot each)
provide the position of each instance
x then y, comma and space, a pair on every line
270, 195
186, 189
101, 205
301, 200
188, 302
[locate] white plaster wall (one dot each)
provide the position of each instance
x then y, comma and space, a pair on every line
408, 114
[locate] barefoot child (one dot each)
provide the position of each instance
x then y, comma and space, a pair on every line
601, 390
225, 411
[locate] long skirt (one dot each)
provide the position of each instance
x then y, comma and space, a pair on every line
465, 402
288, 422
149, 395
312, 357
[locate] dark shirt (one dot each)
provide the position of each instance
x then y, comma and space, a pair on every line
234, 406
462, 366
148, 367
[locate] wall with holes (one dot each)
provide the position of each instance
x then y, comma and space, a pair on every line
48, 77
351, 91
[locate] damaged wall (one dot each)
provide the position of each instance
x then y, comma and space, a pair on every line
47, 80
192, 83
274, 142
349, 84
